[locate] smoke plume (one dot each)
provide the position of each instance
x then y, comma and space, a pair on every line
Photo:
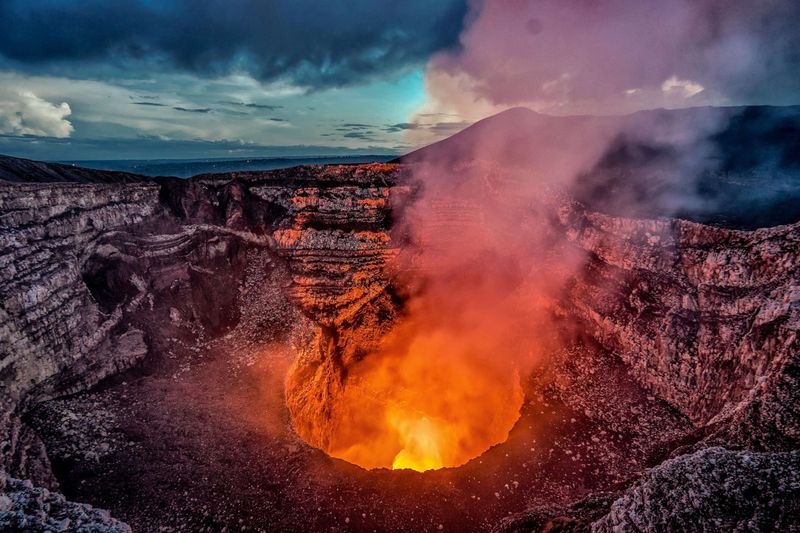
484, 254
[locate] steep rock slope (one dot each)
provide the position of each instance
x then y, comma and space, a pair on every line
50, 323
80, 262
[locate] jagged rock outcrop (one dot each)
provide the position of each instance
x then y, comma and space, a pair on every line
711, 490
24, 507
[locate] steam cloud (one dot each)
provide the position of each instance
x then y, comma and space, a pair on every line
610, 58
485, 259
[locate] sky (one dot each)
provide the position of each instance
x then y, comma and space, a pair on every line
160, 79
147, 79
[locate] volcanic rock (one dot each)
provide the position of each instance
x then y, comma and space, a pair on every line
24, 507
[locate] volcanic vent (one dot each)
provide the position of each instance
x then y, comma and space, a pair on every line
429, 373
427, 396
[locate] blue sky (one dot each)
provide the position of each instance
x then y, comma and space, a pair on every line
138, 79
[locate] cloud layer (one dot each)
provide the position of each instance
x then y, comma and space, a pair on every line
308, 43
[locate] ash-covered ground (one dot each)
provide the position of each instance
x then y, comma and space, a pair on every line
198, 437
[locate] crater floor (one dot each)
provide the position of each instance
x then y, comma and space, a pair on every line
198, 436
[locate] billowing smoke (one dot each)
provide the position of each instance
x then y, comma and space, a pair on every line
484, 250
484, 254
583, 65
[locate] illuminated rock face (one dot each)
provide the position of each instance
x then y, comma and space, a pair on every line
682, 304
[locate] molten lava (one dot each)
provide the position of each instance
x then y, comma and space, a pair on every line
431, 398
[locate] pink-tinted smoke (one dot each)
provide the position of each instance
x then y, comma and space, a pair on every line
484, 257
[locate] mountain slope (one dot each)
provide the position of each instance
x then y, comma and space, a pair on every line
17, 170
731, 166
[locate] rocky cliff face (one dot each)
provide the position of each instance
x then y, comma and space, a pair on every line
704, 318
56, 339
701, 315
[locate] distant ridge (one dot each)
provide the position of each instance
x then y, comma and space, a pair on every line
520, 130
17, 170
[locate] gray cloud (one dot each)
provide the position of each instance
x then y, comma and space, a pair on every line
356, 126
267, 107
448, 128
362, 135
403, 126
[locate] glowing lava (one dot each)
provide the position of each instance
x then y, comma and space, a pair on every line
435, 401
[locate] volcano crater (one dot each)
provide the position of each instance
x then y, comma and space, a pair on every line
196, 330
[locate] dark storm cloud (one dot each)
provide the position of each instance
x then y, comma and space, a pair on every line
267, 107
193, 110
403, 126
307, 42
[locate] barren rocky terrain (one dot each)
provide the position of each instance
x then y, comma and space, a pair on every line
147, 329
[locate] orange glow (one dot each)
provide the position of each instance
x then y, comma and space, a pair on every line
429, 399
